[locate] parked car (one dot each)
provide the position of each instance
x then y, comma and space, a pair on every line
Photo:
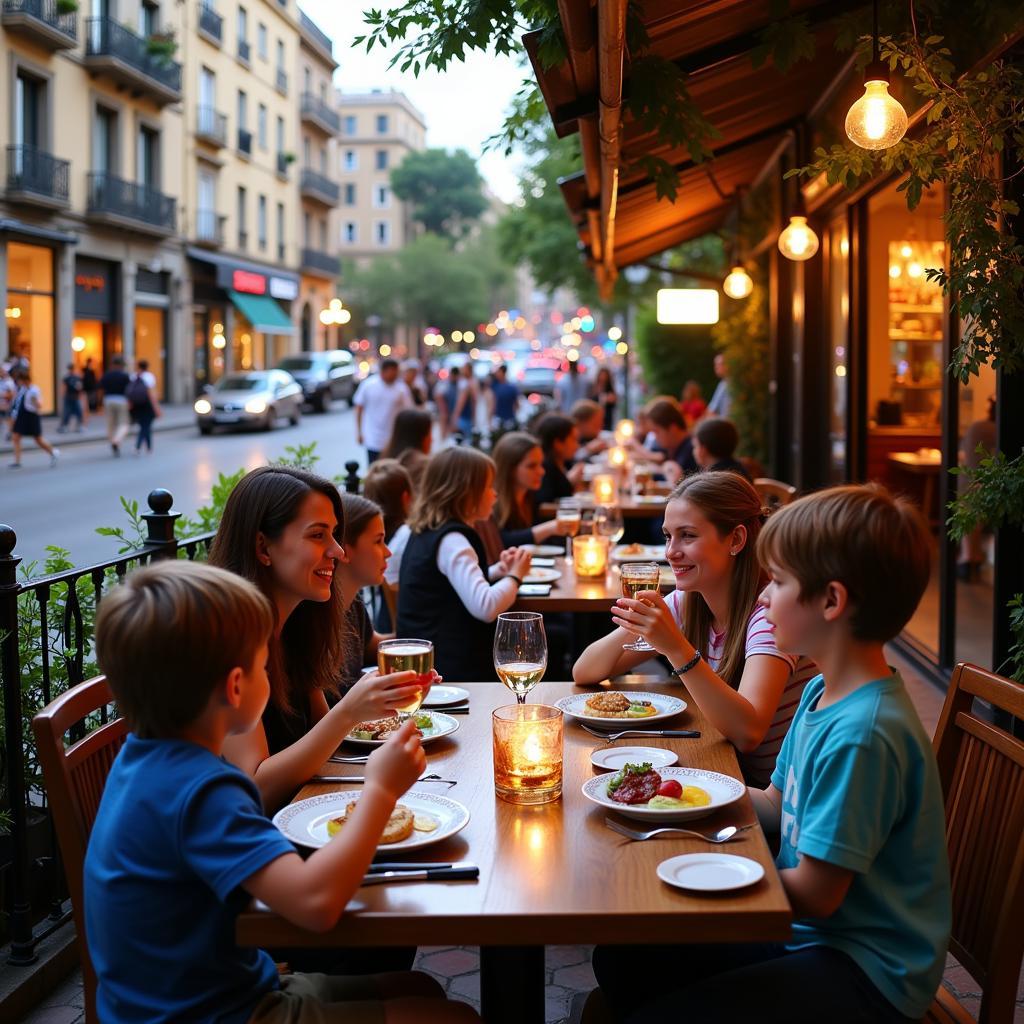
325, 377
538, 377
255, 398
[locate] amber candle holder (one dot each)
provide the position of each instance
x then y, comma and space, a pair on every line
617, 457
590, 556
605, 489
527, 753
624, 430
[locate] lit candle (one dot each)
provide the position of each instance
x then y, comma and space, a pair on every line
527, 753
617, 457
604, 489
590, 556
623, 431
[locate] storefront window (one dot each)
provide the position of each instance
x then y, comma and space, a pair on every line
246, 346
29, 312
838, 256
150, 342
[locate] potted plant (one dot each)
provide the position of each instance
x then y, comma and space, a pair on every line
288, 158
67, 6
162, 45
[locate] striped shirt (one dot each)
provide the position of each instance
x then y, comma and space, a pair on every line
758, 765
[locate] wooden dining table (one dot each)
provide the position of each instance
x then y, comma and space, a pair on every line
551, 873
647, 507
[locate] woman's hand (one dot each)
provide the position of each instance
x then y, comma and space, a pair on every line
575, 475
376, 696
650, 617
521, 564
506, 558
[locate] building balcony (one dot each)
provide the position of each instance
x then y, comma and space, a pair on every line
40, 21
211, 127
211, 24
129, 204
34, 176
119, 53
316, 37
244, 143
318, 114
319, 264
210, 228
244, 49
282, 81
318, 188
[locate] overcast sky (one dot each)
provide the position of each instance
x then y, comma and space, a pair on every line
462, 107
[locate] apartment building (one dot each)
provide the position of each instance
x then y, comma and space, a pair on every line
91, 121
378, 131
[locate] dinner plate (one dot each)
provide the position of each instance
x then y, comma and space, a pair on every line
651, 499
710, 872
542, 576
647, 553
615, 758
441, 696
305, 821
667, 707
723, 790
444, 725
544, 550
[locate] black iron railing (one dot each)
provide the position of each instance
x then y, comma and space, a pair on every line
107, 38
46, 12
244, 142
210, 22
210, 227
212, 125
34, 170
322, 186
46, 646
312, 107
314, 259
129, 199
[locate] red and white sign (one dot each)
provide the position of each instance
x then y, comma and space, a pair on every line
248, 282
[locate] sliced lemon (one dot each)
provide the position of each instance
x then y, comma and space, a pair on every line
424, 823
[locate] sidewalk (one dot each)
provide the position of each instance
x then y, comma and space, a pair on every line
175, 417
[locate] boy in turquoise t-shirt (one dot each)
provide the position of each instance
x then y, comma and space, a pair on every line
855, 794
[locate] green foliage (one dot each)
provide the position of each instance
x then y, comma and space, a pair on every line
301, 456
993, 497
444, 189
787, 39
672, 354
1014, 664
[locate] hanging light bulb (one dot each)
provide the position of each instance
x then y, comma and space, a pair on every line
737, 284
877, 120
798, 241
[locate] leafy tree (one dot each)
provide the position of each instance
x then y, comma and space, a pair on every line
444, 189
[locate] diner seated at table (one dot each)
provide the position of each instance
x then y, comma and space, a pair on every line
589, 419
181, 840
714, 445
711, 628
448, 592
559, 440
855, 797
642, 445
519, 474
387, 484
411, 440
668, 426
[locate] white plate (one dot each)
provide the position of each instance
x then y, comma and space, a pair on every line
723, 790
544, 550
667, 707
305, 821
444, 725
651, 499
442, 696
647, 553
710, 872
542, 575
615, 758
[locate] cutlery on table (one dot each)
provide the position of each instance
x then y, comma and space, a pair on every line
397, 865
721, 836
688, 734
460, 709
344, 759
435, 873
362, 778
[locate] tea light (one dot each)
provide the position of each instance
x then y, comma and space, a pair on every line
617, 457
527, 753
624, 430
604, 489
590, 556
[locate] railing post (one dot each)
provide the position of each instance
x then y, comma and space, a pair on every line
352, 477
160, 539
22, 943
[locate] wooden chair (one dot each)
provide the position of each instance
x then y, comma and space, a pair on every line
75, 777
982, 770
774, 493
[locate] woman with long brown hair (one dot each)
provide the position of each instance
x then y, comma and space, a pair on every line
282, 530
711, 628
411, 439
519, 471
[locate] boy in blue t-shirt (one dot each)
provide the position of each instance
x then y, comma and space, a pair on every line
855, 793
181, 845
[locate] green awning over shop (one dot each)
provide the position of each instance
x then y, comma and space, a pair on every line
262, 312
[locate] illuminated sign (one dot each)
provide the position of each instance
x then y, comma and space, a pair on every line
90, 282
248, 282
283, 288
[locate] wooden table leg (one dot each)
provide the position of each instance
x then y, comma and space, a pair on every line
512, 984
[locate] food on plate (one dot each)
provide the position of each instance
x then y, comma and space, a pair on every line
425, 822
382, 728
640, 784
617, 705
400, 825
631, 549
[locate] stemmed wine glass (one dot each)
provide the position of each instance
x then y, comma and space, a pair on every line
520, 651
636, 577
608, 522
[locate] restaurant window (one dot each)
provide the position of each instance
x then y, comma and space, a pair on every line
381, 161
148, 157
261, 41
381, 197
243, 26
29, 111
261, 126
246, 352
261, 222
280, 55
350, 124
382, 124
281, 240
349, 233
150, 341
149, 18
104, 141
29, 311
350, 160
382, 232
243, 110
350, 195
837, 255
243, 232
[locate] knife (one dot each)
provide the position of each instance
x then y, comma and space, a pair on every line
383, 865
431, 875
689, 734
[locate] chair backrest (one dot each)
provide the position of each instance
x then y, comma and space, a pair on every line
982, 770
774, 492
75, 777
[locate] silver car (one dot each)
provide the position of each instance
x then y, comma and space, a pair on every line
254, 398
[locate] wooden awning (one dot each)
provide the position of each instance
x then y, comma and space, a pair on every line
613, 204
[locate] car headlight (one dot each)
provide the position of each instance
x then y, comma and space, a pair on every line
203, 407
256, 406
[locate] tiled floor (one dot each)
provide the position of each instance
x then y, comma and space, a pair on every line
457, 968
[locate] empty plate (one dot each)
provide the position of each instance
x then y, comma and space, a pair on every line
710, 872
441, 696
615, 758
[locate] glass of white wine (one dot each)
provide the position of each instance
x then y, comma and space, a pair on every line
636, 577
520, 651
608, 522
569, 516
407, 656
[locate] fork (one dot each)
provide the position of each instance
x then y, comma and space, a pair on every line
356, 779
689, 734
715, 837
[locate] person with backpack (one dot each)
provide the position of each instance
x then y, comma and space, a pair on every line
143, 404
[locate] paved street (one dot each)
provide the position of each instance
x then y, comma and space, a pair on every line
64, 505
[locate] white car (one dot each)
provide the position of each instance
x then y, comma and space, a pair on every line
253, 398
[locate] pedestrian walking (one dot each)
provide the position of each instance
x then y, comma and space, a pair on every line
8, 389
113, 385
570, 388
90, 384
721, 400
504, 402
71, 403
603, 392
27, 421
464, 412
143, 405
446, 394
378, 401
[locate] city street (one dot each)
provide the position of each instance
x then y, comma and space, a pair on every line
65, 505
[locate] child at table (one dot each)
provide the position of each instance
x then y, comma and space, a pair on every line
855, 794
181, 843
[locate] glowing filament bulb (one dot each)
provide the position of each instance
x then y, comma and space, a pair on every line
877, 120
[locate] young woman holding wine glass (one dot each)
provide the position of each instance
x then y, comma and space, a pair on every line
446, 593
710, 628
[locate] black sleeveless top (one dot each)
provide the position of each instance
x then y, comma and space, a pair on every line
285, 729
429, 608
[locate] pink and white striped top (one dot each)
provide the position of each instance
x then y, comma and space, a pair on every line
758, 765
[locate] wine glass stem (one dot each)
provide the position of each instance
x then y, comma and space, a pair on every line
520, 698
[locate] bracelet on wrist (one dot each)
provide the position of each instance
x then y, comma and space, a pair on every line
692, 663
512, 576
